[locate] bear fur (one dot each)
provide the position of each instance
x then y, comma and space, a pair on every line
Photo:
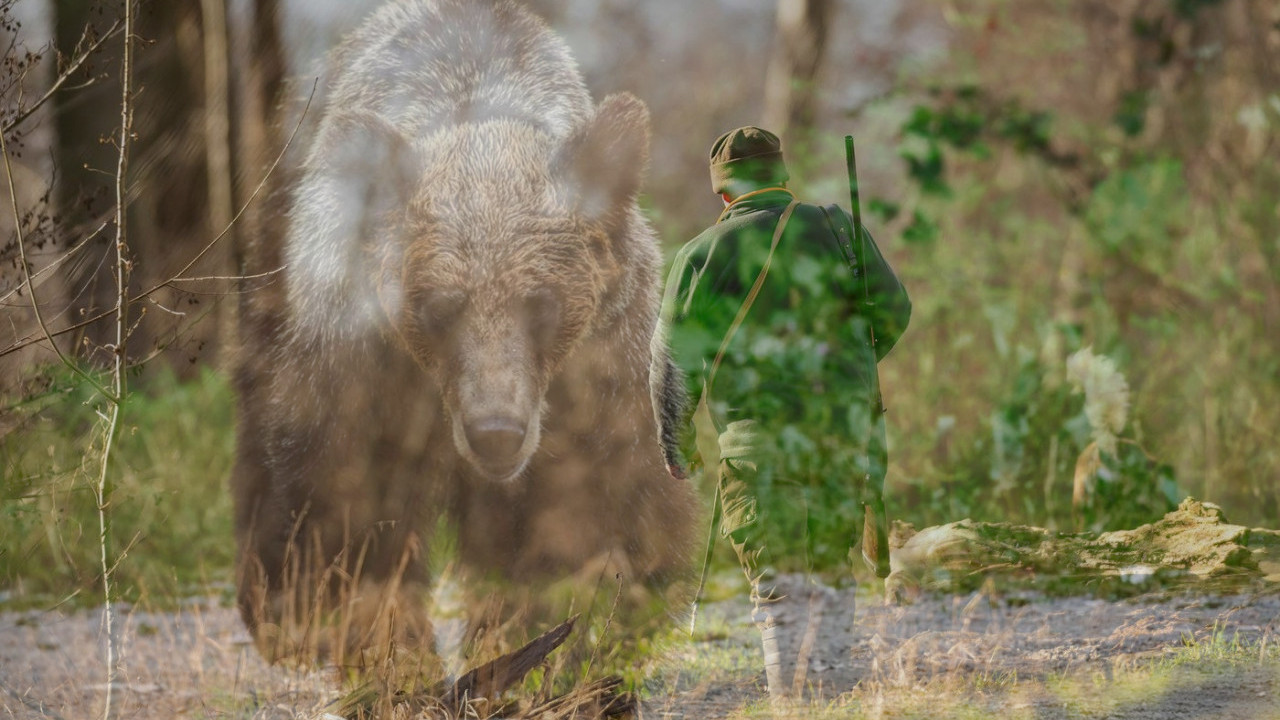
464, 334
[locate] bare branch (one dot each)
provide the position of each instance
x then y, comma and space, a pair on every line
75, 65
62, 257
270, 171
27, 280
171, 311
255, 276
31, 340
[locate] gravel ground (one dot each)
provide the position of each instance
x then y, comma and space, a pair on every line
198, 661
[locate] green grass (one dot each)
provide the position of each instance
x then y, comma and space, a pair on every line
170, 511
1219, 662
1221, 650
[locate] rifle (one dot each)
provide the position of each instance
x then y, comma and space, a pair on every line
875, 531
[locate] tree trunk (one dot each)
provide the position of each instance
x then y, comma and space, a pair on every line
84, 164
168, 186
170, 221
217, 131
259, 237
791, 84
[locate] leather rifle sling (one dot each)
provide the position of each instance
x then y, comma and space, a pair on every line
706, 433
751, 296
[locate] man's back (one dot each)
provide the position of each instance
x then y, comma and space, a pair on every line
804, 337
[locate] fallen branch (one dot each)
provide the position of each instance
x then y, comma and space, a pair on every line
479, 691
494, 678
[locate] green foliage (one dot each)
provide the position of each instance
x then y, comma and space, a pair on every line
925, 166
1189, 8
170, 509
1137, 233
1139, 210
885, 210
921, 231
968, 120
1144, 218
962, 121
1131, 116
1131, 489
1037, 429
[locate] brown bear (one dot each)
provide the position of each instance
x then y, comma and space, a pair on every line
464, 334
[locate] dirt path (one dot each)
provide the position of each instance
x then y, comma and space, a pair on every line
1015, 656
1025, 649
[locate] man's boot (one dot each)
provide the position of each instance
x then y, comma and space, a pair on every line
779, 688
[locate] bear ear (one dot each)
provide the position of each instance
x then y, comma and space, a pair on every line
601, 165
374, 169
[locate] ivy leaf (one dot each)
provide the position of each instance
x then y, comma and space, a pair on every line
1131, 116
885, 210
921, 231
927, 168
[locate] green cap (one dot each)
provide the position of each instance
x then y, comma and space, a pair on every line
749, 155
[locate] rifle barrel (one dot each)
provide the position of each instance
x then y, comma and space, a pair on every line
854, 194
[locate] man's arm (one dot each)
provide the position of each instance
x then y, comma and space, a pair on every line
889, 310
666, 380
892, 306
672, 408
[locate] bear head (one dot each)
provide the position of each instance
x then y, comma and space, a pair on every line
486, 250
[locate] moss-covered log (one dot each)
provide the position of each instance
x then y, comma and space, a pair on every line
1192, 545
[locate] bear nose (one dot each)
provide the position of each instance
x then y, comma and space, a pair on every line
495, 438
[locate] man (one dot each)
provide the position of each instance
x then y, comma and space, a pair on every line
779, 337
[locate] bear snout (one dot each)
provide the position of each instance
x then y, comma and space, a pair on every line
496, 440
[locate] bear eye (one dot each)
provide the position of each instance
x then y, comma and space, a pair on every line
441, 310
542, 311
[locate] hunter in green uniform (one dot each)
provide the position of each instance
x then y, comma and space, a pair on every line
783, 362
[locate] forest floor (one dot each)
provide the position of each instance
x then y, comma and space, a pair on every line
1019, 655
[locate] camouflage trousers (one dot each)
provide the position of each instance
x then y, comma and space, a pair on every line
745, 456
742, 523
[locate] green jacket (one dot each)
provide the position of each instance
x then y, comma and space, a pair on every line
801, 365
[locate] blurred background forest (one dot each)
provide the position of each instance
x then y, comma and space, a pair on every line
1045, 176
